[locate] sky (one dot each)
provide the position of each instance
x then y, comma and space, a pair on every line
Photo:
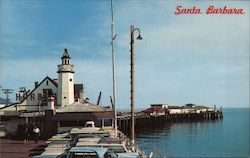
201, 59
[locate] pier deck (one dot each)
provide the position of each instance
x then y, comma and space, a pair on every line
17, 149
143, 121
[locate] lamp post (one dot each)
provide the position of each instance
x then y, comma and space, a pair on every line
132, 30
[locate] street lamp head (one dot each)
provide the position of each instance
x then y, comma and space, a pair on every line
139, 37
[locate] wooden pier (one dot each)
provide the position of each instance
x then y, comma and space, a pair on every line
147, 122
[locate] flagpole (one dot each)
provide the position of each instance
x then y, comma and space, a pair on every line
113, 35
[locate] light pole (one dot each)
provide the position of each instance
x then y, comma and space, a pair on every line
132, 30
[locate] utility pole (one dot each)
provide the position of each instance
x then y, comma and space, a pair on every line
0, 93
7, 92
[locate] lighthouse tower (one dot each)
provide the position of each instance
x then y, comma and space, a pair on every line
65, 81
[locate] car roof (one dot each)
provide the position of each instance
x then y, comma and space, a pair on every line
55, 152
88, 139
99, 150
45, 156
128, 155
61, 142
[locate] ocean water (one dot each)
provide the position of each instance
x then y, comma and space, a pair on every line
228, 137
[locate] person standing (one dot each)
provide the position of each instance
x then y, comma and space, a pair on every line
36, 131
26, 134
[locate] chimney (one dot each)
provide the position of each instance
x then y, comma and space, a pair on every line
81, 94
51, 103
36, 84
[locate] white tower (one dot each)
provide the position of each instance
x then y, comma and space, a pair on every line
65, 81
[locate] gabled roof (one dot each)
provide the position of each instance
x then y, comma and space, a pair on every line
82, 107
47, 77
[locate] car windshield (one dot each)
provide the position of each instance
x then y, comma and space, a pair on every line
89, 125
117, 149
84, 155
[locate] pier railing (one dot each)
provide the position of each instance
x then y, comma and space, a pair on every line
130, 145
158, 153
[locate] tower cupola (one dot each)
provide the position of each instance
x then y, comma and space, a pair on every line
65, 66
65, 58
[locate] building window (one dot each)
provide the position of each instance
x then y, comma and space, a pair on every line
72, 123
108, 122
70, 80
44, 97
65, 97
47, 82
47, 92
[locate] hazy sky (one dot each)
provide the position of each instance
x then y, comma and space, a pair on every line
201, 59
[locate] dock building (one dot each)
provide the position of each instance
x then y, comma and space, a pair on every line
163, 109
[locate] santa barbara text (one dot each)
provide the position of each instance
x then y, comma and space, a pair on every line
209, 10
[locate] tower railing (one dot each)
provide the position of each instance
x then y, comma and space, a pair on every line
65, 67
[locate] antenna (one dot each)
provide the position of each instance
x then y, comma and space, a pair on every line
111, 101
113, 36
7, 92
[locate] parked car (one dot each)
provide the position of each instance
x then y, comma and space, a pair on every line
5, 133
52, 155
90, 152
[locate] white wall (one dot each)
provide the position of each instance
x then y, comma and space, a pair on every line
66, 88
39, 90
175, 111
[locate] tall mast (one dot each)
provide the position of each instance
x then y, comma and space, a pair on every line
113, 35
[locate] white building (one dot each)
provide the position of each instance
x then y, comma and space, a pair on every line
62, 89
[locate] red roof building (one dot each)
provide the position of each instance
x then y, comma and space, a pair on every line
155, 110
